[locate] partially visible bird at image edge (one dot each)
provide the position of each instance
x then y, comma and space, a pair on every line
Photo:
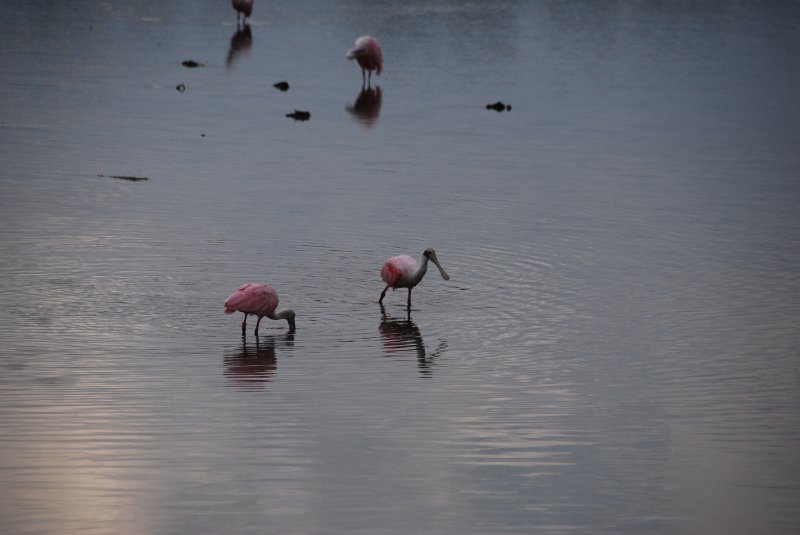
242, 7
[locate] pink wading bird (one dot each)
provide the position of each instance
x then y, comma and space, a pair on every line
244, 7
260, 300
367, 52
405, 272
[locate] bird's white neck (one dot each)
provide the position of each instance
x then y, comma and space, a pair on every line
287, 315
422, 268
423, 262
282, 315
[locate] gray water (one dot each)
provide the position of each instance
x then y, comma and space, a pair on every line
616, 350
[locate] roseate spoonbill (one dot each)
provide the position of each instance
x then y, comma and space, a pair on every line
405, 272
260, 300
367, 52
243, 7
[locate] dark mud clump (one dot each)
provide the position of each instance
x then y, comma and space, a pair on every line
192, 64
283, 86
299, 115
128, 178
498, 107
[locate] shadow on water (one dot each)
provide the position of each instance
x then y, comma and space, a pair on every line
367, 106
241, 43
253, 364
399, 336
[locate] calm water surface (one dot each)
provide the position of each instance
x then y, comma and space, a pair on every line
616, 350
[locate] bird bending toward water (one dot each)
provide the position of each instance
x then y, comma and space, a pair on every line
260, 300
367, 52
405, 272
243, 7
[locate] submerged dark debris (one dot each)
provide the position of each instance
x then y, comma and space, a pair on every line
283, 86
192, 64
180, 87
124, 177
299, 115
498, 107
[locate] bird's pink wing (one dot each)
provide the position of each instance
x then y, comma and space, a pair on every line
252, 299
236, 299
396, 268
376, 54
372, 60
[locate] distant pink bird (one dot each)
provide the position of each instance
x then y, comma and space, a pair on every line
260, 300
367, 52
243, 7
405, 272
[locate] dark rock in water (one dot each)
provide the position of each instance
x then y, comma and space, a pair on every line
283, 86
129, 178
299, 115
498, 107
192, 64
180, 87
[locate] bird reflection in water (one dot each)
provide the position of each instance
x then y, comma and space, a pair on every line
398, 336
254, 364
241, 43
367, 106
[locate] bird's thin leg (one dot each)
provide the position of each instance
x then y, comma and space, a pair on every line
259, 321
409, 298
383, 294
244, 324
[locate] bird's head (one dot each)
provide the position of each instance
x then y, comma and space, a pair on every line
360, 47
430, 254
